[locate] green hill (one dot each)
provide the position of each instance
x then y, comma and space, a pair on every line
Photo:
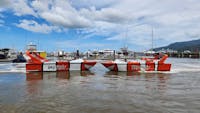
193, 46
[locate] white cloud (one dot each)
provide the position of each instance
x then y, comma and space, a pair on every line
21, 7
134, 35
4, 4
41, 5
65, 19
92, 3
173, 20
110, 15
33, 26
60, 13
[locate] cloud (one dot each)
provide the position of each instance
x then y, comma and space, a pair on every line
60, 13
63, 13
33, 26
134, 35
61, 18
21, 7
110, 15
4, 3
92, 3
172, 20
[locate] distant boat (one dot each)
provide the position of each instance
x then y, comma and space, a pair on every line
124, 50
33, 48
7, 55
149, 52
20, 59
2, 55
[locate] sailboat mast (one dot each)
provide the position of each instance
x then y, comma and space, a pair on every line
152, 35
125, 41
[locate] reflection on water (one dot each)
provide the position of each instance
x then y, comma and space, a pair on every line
41, 75
86, 92
32, 76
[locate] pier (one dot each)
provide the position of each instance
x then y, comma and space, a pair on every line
184, 55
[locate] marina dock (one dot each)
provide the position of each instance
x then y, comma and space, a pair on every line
184, 55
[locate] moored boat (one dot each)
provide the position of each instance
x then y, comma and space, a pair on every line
2, 55
33, 48
7, 55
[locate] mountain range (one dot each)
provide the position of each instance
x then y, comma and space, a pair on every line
193, 46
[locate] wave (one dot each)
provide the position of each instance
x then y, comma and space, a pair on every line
12, 67
184, 65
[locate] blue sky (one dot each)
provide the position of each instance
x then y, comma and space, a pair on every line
97, 24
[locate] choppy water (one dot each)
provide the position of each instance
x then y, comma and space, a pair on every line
177, 91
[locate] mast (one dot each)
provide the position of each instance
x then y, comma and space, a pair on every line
152, 36
126, 36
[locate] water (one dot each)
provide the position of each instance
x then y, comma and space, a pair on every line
177, 91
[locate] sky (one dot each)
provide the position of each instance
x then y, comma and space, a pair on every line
97, 24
